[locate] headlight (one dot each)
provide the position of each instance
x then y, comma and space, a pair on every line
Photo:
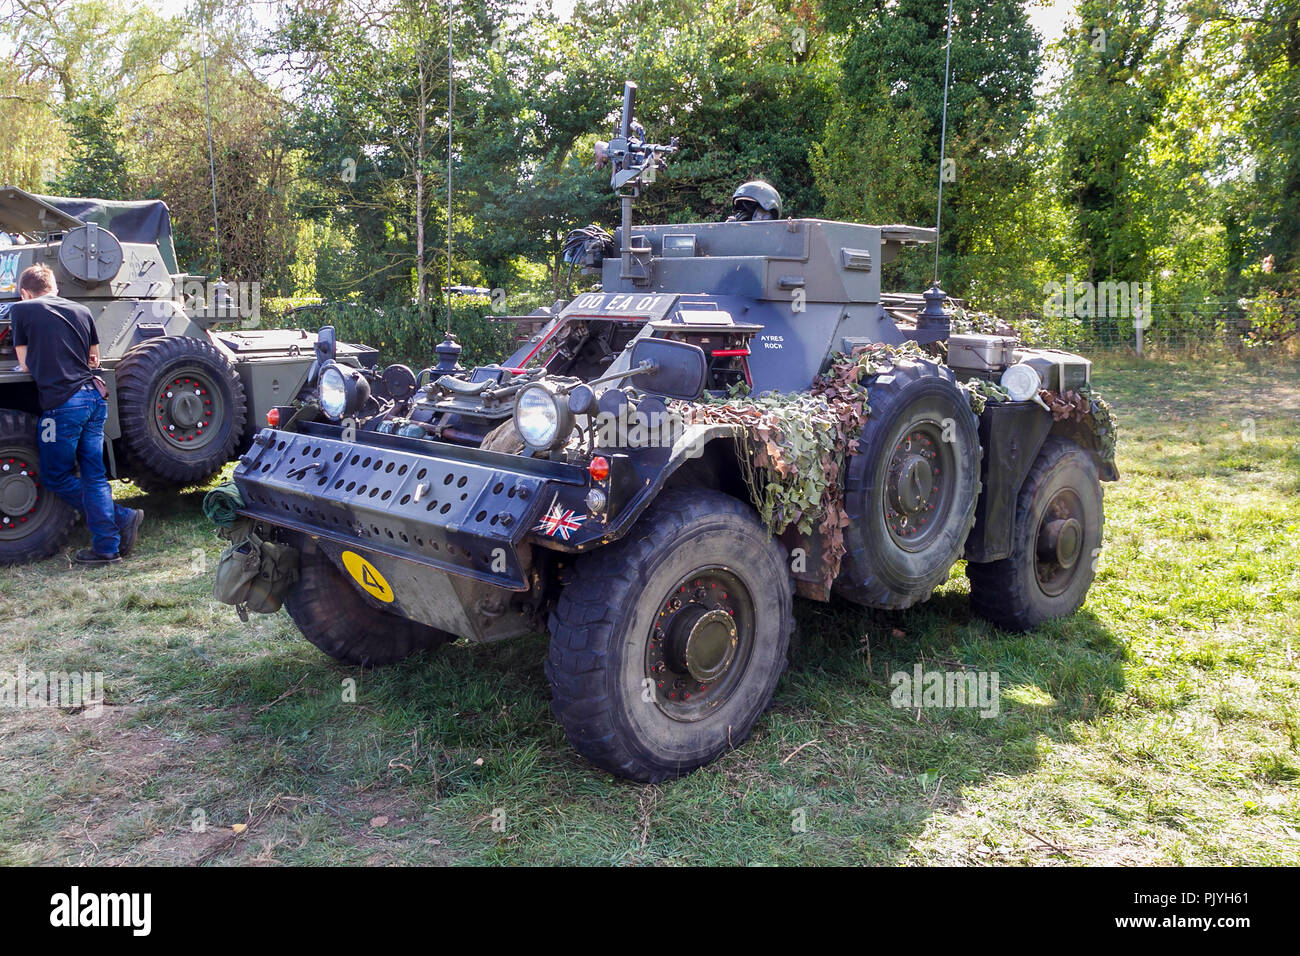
542, 418
342, 391
1021, 382
333, 392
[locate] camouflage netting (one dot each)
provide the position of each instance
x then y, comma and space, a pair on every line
981, 392
1103, 425
798, 442
1085, 407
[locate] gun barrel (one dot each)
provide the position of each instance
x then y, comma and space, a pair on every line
629, 103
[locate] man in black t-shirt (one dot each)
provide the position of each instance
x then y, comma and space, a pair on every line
57, 343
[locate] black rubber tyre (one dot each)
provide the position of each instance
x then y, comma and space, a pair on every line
614, 622
1034, 584
34, 521
333, 616
182, 410
910, 491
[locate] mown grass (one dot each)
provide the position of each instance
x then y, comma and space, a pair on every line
1158, 725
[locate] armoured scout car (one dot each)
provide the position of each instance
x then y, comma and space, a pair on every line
187, 380
490, 503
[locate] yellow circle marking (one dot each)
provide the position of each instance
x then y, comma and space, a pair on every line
368, 576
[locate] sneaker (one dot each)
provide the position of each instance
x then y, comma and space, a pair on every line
129, 533
91, 558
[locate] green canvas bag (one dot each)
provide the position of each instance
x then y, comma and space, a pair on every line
253, 574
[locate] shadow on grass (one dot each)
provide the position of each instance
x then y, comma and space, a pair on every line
893, 766
233, 717
833, 773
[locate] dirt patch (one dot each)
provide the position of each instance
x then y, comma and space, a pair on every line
106, 767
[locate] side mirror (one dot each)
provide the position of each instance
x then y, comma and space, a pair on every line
326, 344
678, 369
326, 349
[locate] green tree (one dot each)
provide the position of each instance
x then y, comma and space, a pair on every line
1123, 63
1271, 38
878, 157
34, 139
90, 48
371, 128
745, 88
97, 167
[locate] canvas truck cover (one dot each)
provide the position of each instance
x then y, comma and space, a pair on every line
147, 221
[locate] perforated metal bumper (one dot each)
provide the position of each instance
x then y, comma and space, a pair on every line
437, 509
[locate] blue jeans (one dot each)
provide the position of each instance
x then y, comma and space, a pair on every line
72, 436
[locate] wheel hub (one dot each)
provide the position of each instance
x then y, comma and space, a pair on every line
911, 483
918, 487
23, 505
701, 642
18, 489
184, 410
1061, 541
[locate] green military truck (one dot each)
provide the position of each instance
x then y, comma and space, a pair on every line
190, 376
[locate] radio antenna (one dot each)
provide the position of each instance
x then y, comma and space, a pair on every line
451, 62
212, 164
943, 142
449, 350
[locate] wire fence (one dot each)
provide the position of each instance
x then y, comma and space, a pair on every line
1267, 324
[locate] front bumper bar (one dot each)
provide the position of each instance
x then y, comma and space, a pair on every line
460, 510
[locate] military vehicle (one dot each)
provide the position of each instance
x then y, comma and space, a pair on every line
527, 495
188, 381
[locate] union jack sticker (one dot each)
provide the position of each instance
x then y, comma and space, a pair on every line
559, 521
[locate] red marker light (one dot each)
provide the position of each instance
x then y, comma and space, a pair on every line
599, 468
273, 418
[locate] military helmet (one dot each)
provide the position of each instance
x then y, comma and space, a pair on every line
755, 195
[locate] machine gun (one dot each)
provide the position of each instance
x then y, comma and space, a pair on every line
635, 163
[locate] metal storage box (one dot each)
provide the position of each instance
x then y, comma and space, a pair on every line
981, 354
1060, 371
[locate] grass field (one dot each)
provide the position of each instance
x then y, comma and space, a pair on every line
1160, 724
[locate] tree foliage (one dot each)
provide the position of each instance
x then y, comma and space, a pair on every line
1155, 141
97, 166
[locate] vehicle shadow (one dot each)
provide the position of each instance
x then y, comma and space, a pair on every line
899, 754
869, 769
